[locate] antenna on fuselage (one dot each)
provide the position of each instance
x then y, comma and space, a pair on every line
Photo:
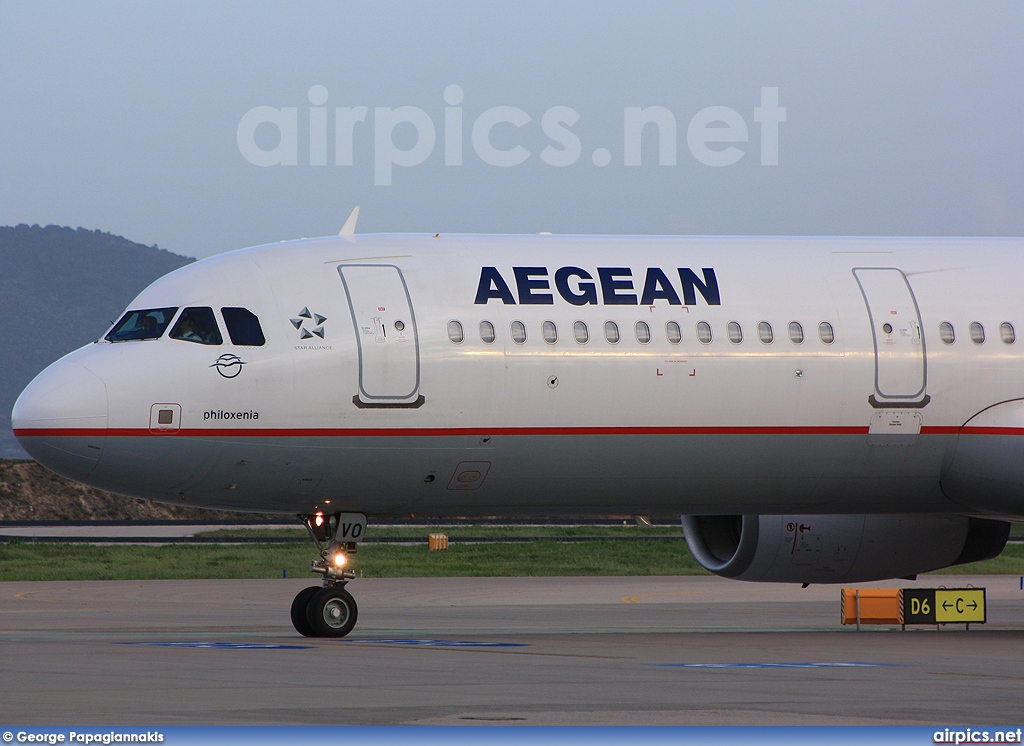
349, 229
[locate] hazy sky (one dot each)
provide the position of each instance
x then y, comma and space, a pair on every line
137, 118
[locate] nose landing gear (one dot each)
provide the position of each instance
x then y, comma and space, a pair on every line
330, 610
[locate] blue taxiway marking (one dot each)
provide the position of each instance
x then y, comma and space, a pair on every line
219, 645
444, 643
852, 664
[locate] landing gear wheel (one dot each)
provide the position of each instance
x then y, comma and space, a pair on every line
300, 619
332, 612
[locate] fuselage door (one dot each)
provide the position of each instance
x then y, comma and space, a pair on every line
901, 368
385, 326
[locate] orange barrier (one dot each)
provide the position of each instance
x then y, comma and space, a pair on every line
437, 542
871, 606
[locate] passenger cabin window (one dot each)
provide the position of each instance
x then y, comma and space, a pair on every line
826, 333
977, 333
518, 329
643, 332
704, 332
197, 325
549, 332
580, 333
244, 328
486, 332
611, 332
143, 324
796, 332
1006, 333
673, 332
765, 333
455, 332
946, 333
735, 332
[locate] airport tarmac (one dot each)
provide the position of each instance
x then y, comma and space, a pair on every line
542, 651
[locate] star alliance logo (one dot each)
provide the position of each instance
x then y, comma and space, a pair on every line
315, 320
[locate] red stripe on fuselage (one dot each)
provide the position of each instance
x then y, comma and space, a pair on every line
434, 432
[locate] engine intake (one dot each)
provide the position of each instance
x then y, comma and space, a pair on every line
838, 548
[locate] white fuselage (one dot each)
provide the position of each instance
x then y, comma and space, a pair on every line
826, 385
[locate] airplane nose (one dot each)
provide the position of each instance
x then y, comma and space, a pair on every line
60, 419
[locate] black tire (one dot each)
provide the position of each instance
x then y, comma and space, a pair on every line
300, 617
332, 612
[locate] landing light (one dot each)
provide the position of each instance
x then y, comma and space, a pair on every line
340, 559
319, 520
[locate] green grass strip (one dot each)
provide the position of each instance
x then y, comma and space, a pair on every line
27, 561
628, 531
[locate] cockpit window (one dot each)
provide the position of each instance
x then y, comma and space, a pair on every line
197, 325
243, 327
144, 324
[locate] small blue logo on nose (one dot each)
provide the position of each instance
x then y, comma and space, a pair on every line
228, 365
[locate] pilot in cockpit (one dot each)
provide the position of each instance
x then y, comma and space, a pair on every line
186, 329
197, 325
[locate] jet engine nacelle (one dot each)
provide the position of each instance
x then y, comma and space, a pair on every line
838, 548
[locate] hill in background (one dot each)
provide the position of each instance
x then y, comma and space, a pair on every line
28, 492
61, 288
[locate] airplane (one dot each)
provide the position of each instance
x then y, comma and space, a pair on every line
817, 410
